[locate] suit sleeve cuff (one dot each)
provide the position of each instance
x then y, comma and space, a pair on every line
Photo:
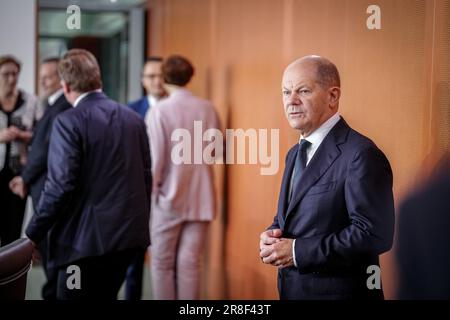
293, 253
33, 233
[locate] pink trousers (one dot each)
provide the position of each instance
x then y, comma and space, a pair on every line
176, 255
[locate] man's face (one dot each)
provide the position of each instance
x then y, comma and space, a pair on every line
152, 79
307, 105
9, 75
49, 79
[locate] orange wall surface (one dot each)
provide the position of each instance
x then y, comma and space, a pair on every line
395, 84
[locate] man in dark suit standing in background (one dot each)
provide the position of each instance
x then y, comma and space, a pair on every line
95, 204
335, 209
34, 174
153, 83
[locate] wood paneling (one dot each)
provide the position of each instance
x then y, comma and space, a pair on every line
395, 84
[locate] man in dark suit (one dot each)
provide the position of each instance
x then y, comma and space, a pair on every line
94, 209
34, 174
153, 83
335, 209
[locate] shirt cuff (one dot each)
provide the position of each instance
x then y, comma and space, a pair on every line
293, 253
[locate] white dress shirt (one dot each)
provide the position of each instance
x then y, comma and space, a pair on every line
315, 139
151, 100
47, 102
81, 96
52, 99
319, 135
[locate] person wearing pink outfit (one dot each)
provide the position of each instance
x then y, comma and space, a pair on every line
183, 193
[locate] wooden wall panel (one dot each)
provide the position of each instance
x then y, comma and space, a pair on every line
395, 90
249, 33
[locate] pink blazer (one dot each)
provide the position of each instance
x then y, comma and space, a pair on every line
185, 189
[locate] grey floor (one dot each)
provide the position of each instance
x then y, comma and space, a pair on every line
36, 279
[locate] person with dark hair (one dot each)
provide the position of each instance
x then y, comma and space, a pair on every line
177, 71
336, 207
18, 115
183, 193
152, 81
35, 172
94, 209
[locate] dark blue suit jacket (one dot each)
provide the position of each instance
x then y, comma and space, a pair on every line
342, 218
96, 198
140, 106
35, 171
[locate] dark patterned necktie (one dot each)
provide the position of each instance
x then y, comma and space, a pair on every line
300, 165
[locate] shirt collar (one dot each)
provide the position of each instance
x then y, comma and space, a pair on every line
52, 99
81, 96
320, 133
151, 100
180, 90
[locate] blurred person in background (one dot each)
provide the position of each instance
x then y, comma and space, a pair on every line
153, 83
423, 246
183, 204
33, 176
18, 115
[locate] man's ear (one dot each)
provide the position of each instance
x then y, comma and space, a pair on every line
66, 87
334, 95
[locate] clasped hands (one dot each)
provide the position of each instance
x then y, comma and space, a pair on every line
13, 133
18, 187
276, 250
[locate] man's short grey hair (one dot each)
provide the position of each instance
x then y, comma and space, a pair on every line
327, 73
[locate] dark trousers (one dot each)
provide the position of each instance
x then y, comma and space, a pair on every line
100, 277
12, 209
50, 287
133, 280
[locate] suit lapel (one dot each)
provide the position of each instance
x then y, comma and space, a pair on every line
322, 160
44, 119
285, 184
144, 106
